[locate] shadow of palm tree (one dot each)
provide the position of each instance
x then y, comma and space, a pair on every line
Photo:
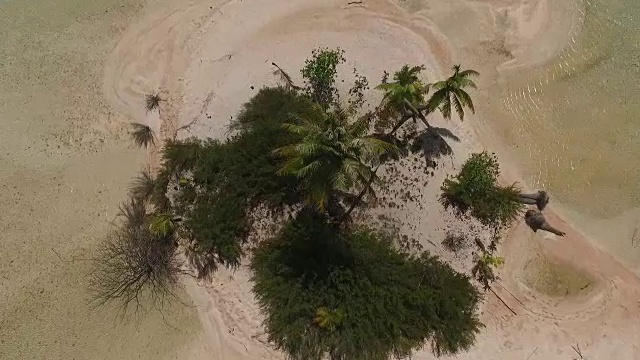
433, 144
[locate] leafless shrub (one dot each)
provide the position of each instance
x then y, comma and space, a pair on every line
135, 268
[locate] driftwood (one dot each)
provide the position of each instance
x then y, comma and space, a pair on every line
540, 199
536, 221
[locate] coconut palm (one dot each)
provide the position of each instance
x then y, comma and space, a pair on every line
405, 96
152, 102
332, 157
142, 135
451, 91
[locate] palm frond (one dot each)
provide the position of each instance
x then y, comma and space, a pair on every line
291, 167
461, 82
152, 101
302, 130
439, 85
142, 187
309, 169
361, 126
458, 106
445, 105
387, 86
374, 147
142, 135
465, 99
467, 73
284, 77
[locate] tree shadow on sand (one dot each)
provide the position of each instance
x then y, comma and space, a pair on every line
433, 143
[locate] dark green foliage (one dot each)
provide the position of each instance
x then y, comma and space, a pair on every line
331, 157
319, 74
349, 294
475, 191
216, 183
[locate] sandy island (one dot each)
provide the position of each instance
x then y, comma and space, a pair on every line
204, 56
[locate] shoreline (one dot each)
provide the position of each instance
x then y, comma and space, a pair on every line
194, 98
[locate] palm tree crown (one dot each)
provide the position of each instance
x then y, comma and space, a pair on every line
450, 91
332, 155
407, 86
152, 102
142, 135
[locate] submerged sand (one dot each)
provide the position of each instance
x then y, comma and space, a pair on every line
204, 56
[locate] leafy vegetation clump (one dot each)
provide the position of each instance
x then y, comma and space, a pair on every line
319, 73
475, 191
216, 184
349, 294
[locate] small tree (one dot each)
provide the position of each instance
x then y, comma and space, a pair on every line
349, 294
475, 191
319, 74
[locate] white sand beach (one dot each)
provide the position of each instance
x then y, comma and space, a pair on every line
60, 191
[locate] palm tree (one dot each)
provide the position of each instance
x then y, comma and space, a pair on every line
450, 91
142, 135
152, 102
332, 157
405, 96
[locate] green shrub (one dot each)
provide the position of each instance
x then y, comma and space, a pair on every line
218, 182
351, 295
475, 191
319, 74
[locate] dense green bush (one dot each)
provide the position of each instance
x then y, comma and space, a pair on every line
349, 294
475, 191
319, 73
219, 182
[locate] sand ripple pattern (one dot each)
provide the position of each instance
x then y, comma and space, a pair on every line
572, 108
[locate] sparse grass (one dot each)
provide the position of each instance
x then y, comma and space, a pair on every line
553, 278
